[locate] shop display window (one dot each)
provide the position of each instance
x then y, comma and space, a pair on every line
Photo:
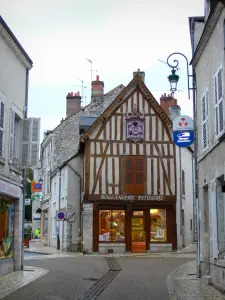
158, 225
6, 228
112, 226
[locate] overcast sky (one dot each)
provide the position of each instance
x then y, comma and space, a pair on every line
119, 37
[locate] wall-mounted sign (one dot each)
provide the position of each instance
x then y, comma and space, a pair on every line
183, 122
183, 138
133, 197
27, 201
60, 215
35, 186
135, 125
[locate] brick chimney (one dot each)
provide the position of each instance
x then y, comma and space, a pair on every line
166, 101
140, 73
97, 90
73, 103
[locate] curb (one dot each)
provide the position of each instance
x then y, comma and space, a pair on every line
37, 252
170, 286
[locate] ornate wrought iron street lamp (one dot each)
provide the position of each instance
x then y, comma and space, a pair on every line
173, 79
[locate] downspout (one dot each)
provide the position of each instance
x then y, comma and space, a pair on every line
58, 225
78, 175
196, 197
24, 171
194, 154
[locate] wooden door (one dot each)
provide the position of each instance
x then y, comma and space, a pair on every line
138, 228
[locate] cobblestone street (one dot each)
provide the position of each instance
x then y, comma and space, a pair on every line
154, 277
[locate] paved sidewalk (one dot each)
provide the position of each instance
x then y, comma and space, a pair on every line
183, 285
13, 281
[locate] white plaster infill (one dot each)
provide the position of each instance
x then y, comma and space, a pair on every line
13, 281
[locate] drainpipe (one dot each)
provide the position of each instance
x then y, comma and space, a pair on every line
194, 154
196, 198
78, 175
24, 171
58, 225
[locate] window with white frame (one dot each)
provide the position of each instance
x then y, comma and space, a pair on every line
15, 130
205, 120
2, 114
219, 105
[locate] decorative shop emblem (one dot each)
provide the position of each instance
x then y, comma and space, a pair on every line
135, 123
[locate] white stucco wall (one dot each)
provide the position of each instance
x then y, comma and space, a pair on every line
12, 95
69, 200
185, 234
211, 161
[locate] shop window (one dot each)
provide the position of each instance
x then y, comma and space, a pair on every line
134, 175
6, 228
112, 226
158, 225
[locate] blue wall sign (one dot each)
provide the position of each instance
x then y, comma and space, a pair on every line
183, 138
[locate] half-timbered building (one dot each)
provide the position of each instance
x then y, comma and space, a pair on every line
130, 176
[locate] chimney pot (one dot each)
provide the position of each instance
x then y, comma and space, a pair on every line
97, 78
73, 103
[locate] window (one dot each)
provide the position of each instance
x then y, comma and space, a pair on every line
6, 228
158, 225
2, 113
134, 175
205, 120
219, 105
183, 182
111, 226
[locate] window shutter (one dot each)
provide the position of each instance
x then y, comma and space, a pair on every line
205, 121
128, 175
134, 175
11, 135
140, 176
35, 141
219, 102
2, 113
30, 145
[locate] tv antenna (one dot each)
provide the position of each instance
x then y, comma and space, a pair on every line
90, 61
83, 87
162, 61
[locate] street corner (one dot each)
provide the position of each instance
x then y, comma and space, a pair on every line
13, 281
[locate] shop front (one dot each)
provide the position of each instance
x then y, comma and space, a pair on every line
134, 227
10, 231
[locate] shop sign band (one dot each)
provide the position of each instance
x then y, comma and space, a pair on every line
132, 197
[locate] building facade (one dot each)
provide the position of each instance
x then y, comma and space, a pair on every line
208, 62
131, 177
57, 148
15, 66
